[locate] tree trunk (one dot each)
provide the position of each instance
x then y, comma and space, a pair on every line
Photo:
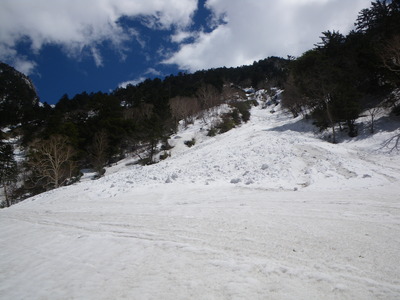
332, 123
6, 195
333, 133
372, 124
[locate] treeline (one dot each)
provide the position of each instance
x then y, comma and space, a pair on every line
90, 131
344, 75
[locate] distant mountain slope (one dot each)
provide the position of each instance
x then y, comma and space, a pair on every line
18, 97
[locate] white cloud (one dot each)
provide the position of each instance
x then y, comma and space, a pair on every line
243, 31
149, 71
152, 71
131, 82
182, 36
97, 56
77, 25
24, 66
19, 62
254, 29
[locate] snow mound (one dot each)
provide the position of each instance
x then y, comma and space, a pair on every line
272, 151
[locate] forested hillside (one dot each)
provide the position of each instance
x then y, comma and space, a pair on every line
96, 129
343, 77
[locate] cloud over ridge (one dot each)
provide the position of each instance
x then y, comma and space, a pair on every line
238, 32
255, 29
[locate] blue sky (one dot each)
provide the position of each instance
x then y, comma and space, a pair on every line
71, 46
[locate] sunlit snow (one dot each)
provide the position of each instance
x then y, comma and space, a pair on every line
265, 211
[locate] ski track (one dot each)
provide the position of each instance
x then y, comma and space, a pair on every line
227, 243
260, 212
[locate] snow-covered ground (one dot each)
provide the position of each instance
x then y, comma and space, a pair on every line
264, 211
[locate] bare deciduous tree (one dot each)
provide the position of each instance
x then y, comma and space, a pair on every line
139, 113
390, 55
231, 92
184, 108
98, 151
209, 99
208, 96
52, 160
372, 114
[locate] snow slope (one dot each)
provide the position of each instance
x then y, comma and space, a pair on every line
265, 211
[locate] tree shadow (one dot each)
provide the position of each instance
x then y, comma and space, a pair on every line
301, 125
383, 124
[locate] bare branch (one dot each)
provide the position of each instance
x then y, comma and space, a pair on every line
184, 108
52, 160
98, 150
208, 96
390, 54
393, 143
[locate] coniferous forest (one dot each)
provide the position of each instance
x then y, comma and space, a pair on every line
335, 82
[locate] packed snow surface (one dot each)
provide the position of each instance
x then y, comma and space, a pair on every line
265, 211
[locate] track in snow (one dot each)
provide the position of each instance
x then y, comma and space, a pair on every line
205, 243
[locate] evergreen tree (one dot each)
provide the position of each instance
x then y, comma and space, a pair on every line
325, 76
380, 26
8, 170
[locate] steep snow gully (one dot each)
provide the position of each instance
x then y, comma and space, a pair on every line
265, 211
